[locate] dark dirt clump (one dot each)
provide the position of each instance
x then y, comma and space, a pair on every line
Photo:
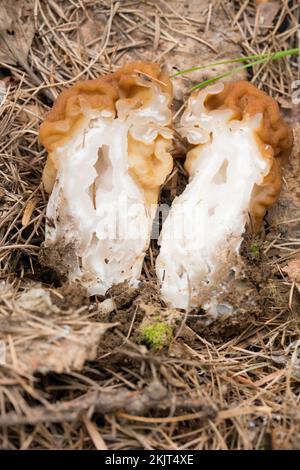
123, 294
128, 317
70, 296
60, 257
245, 299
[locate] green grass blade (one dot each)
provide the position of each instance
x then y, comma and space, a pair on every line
214, 64
226, 74
265, 56
263, 59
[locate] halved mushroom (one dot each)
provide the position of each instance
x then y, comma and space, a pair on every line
238, 142
107, 142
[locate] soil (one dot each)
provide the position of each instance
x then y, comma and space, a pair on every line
70, 296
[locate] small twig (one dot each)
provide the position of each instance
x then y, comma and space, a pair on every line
153, 397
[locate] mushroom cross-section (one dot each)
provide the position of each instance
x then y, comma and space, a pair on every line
237, 143
108, 154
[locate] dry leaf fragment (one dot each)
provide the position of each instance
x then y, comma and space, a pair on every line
60, 341
16, 35
267, 13
293, 271
29, 208
91, 31
2, 91
30, 113
16, 31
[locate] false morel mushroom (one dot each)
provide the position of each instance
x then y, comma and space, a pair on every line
237, 144
108, 145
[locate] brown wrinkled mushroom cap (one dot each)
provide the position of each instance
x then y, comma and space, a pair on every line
132, 85
274, 137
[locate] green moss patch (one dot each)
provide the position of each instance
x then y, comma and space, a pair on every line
156, 335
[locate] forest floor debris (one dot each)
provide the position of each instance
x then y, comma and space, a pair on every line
75, 372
